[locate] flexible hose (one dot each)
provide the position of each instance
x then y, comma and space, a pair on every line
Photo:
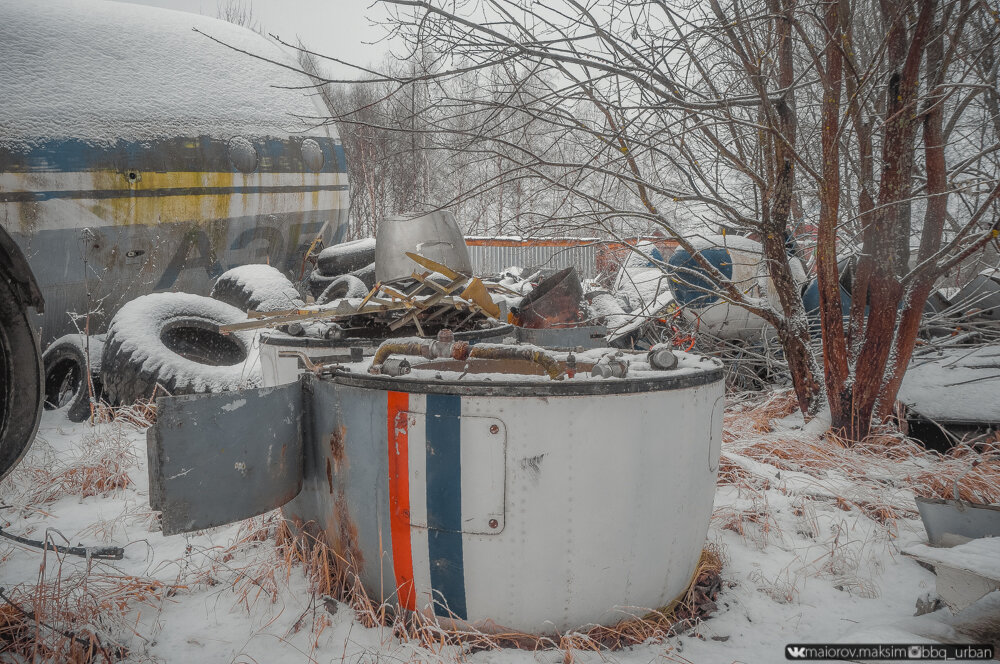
460, 350
534, 355
388, 348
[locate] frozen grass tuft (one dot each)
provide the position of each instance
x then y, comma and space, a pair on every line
97, 465
330, 576
878, 477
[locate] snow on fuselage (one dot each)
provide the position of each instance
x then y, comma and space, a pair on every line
140, 154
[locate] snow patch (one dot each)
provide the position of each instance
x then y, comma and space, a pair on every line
104, 71
235, 405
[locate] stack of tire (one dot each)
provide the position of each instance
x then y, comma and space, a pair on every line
343, 270
168, 343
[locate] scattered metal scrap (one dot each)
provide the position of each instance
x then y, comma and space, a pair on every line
428, 301
965, 572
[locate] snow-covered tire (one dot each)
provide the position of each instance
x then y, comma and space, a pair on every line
346, 257
256, 288
172, 339
366, 274
317, 282
66, 365
345, 285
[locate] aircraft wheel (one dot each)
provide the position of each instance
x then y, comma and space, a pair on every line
66, 364
21, 387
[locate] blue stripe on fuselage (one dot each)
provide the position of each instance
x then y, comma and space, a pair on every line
202, 154
444, 504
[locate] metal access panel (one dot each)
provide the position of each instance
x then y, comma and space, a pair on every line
219, 458
457, 471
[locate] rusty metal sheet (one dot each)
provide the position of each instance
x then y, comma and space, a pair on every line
218, 458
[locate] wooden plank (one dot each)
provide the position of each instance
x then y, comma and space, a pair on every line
371, 294
433, 265
476, 292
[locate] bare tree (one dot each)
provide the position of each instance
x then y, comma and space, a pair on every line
239, 12
875, 123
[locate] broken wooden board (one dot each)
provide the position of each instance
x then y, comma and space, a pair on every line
476, 291
434, 266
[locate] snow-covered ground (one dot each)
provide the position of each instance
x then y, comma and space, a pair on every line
811, 550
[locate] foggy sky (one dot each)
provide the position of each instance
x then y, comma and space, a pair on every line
339, 28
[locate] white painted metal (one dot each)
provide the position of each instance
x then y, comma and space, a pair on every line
576, 509
750, 275
277, 370
607, 508
434, 235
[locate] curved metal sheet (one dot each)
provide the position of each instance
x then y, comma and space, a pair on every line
219, 458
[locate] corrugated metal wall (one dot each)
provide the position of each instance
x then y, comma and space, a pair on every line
492, 259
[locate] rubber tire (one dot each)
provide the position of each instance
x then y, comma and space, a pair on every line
345, 285
317, 282
335, 261
21, 378
256, 288
66, 354
136, 358
366, 274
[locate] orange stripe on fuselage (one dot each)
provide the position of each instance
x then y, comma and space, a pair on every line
398, 403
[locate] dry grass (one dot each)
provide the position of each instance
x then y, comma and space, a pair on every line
884, 471
755, 524
98, 465
141, 414
330, 577
72, 616
751, 418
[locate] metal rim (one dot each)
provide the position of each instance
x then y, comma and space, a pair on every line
6, 381
660, 383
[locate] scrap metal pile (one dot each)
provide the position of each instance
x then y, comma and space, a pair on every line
426, 302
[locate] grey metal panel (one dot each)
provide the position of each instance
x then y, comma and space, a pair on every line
219, 458
981, 295
947, 385
949, 522
590, 336
345, 490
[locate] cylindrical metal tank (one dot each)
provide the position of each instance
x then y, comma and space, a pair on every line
509, 501
739, 259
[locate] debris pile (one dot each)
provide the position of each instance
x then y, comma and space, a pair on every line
427, 301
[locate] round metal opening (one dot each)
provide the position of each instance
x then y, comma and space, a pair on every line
201, 342
312, 155
61, 383
243, 155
